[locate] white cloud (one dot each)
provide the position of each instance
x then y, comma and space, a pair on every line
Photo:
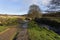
34, 1
45, 2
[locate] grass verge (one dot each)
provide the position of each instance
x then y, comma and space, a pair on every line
2, 28
36, 32
14, 35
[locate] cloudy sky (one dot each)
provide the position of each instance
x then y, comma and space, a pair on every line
20, 6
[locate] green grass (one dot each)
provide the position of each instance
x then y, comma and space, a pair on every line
13, 36
54, 18
36, 32
2, 28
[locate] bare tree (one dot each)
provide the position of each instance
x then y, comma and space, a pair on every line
34, 12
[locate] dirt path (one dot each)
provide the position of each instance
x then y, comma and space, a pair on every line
8, 34
23, 34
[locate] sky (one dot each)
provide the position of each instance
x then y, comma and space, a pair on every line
20, 7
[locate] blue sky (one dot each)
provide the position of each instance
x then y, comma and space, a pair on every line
20, 7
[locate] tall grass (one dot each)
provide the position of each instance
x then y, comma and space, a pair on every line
8, 21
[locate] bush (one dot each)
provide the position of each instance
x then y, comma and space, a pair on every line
8, 21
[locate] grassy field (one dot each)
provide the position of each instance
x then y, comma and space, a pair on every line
57, 19
2, 28
54, 18
36, 32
